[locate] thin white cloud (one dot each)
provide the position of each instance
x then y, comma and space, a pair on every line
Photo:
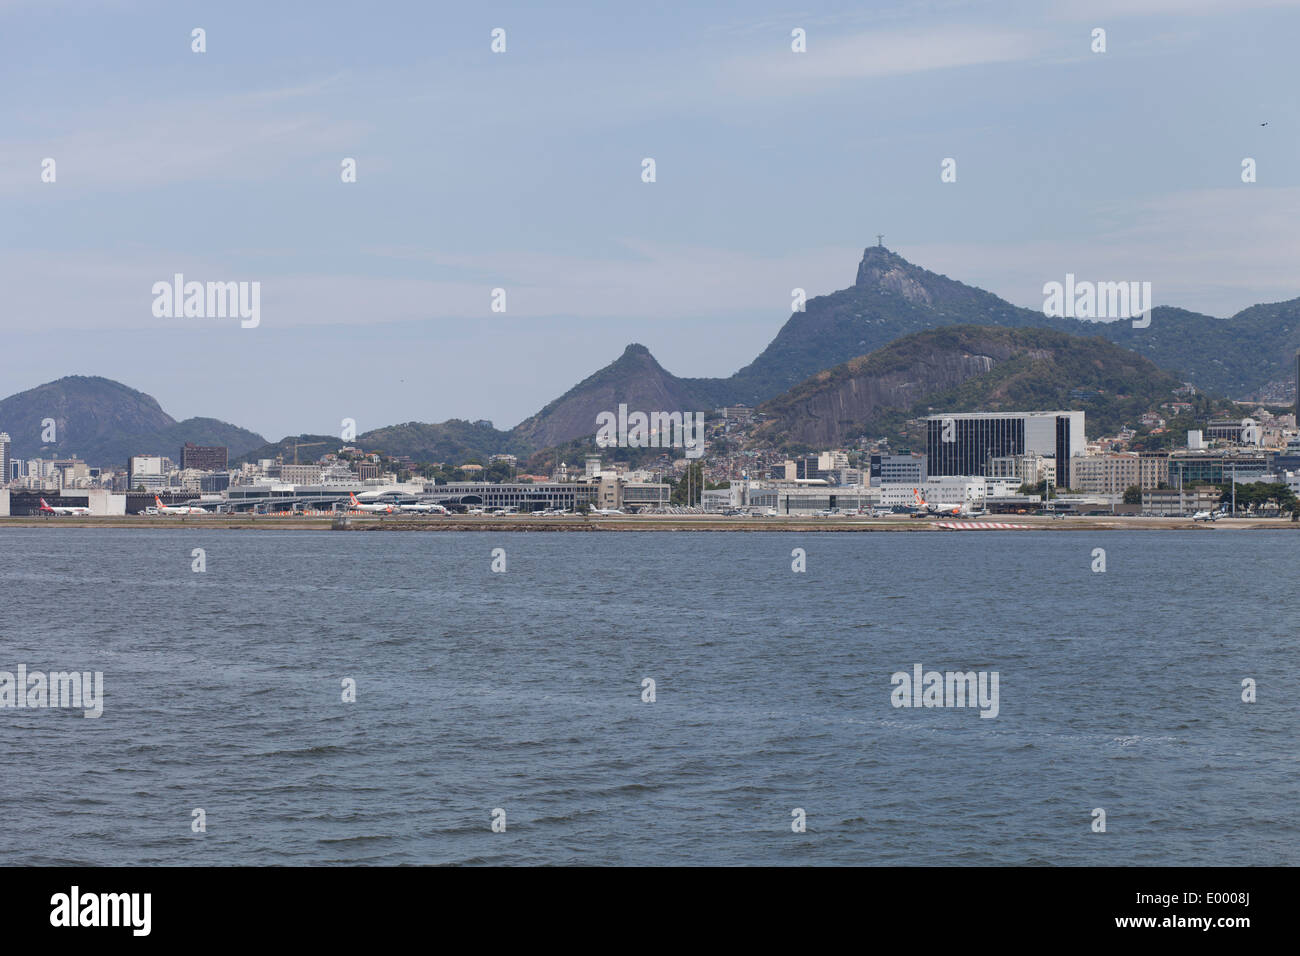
245, 136
834, 58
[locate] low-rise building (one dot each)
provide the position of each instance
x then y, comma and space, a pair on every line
1187, 468
300, 474
897, 469
1027, 469
1113, 474
1175, 501
971, 490
100, 501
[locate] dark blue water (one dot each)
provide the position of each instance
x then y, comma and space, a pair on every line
522, 691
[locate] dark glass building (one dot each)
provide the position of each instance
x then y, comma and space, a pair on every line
965, 443
204, 457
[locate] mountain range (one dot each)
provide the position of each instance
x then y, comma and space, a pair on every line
891, 298
865, 355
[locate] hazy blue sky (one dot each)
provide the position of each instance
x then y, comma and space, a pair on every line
523, 170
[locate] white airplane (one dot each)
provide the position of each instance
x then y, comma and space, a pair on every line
606, 511
926, 507
386, 508
69, 510
1206, 516
177, 509
425, 507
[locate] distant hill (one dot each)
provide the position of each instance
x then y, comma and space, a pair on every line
306, 448
455, 441
104, 422
634, 379
967, 368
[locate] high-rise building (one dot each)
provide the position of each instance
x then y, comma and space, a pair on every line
204, 457
964, 443
5, 474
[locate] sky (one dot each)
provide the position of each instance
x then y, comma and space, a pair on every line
522, 170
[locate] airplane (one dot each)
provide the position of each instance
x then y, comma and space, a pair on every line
177, 509
1206, 516
371, 509
69, 510
924, 507
606, 511
425, 507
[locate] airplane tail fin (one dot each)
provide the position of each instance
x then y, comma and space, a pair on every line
43, 504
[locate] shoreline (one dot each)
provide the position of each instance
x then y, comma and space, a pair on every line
656, 523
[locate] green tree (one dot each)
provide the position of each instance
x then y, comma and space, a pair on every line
1037, 488
686, 490
1257, 495
1133, 495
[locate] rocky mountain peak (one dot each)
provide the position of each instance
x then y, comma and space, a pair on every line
885, 271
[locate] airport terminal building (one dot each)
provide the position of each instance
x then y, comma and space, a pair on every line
520, 496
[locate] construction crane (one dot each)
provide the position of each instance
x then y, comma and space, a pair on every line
306, 444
